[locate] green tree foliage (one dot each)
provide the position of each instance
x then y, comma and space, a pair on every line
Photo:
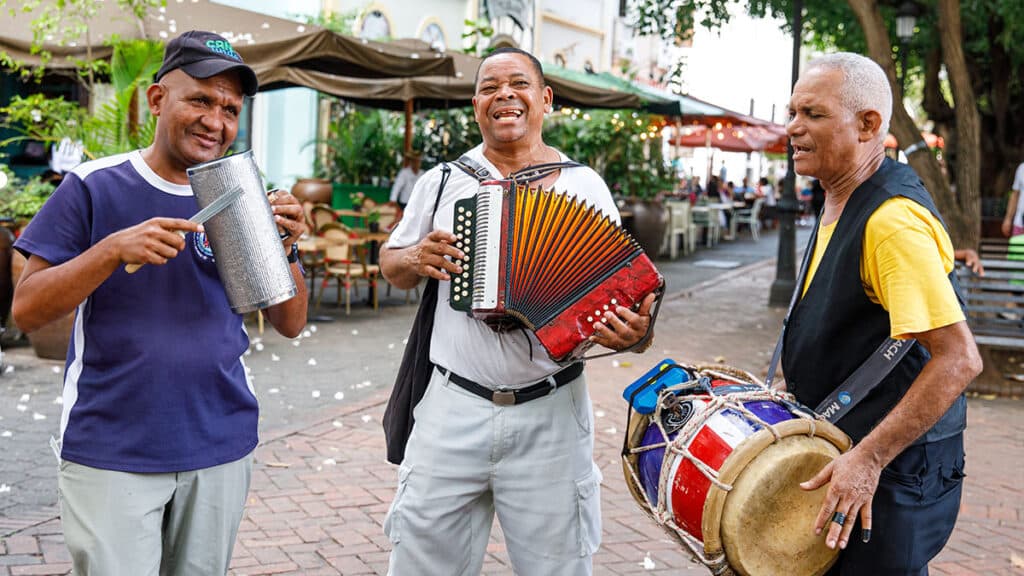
361, 144
68, 22
992, 33
113, 128
624, 146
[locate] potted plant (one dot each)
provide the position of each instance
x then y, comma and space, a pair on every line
625, 148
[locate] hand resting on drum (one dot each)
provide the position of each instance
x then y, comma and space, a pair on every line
624, 327
854, 479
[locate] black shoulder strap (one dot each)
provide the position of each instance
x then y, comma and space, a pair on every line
864, 379
446, 172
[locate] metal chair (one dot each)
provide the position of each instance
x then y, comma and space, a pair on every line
751, 217
680, 223
345, 260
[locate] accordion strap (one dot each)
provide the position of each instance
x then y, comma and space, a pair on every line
523, 176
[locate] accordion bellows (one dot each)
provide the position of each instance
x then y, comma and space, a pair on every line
549, 261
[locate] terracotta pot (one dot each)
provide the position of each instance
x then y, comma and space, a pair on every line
648, 223
51, 341
315, 190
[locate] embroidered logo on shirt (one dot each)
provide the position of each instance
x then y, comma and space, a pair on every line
201, 246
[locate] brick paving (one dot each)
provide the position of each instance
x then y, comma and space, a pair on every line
321, 489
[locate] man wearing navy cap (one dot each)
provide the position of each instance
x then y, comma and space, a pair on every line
159, 419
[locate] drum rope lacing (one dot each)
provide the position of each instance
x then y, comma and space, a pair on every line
659, 511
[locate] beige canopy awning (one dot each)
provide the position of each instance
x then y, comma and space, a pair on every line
429, 91
263, 41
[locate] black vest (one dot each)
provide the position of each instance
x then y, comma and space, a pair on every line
835, 327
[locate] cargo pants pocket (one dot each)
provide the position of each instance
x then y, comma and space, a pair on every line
588, 509
393, 520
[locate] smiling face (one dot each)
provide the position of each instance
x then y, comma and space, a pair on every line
510, 101
824, 133
197, 118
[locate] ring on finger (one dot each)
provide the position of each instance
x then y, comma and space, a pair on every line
839, 518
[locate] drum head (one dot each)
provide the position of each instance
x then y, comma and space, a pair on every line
767, 524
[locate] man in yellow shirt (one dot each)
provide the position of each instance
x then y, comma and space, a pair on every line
881, 267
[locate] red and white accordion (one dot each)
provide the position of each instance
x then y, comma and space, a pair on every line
548, 261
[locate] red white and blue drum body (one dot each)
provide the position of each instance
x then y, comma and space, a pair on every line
714, 441
717, 462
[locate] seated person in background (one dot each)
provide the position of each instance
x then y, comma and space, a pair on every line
768, 211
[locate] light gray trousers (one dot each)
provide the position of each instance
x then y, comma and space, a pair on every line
172, 524
468, 458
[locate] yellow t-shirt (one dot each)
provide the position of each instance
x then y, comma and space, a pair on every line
907, 256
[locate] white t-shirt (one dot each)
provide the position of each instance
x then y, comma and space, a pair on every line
460, 343
404, 183
1018, 185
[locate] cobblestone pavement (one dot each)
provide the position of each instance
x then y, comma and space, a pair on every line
321, 486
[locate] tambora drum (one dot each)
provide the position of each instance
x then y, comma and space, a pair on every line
716, 458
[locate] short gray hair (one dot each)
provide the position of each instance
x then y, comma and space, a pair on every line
865, 85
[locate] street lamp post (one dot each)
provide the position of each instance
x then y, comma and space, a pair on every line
906, 19
785, 264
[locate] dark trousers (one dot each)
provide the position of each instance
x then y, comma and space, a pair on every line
913, 513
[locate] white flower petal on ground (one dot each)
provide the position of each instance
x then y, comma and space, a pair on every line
8, 369
647, 564
4, 488
57, 369
611, 430
599, 413
275, 358
405, 341
339, 395
259, 346
316, 393
273, 391
21, 407
312, 328
38, 416
25, 398
338, 423
307, 333
6, 434
355, 332
311, 362
364, 384
391, 346
615, 363
330, 462
295, 343
58, 400
366, 418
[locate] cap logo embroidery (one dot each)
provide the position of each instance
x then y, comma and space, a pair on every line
222, 47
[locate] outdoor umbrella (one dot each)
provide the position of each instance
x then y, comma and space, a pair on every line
431, 90
729, 139
261, 40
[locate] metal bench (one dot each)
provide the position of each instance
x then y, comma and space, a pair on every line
995, 302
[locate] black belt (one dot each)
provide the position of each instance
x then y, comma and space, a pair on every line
521, 395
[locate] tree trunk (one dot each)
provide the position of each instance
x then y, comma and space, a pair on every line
968, 125
903, 127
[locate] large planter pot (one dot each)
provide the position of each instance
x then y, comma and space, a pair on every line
51, 341
315, 190
648, 223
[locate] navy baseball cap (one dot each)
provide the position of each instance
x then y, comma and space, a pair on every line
203, 55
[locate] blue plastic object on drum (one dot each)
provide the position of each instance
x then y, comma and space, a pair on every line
665, 373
